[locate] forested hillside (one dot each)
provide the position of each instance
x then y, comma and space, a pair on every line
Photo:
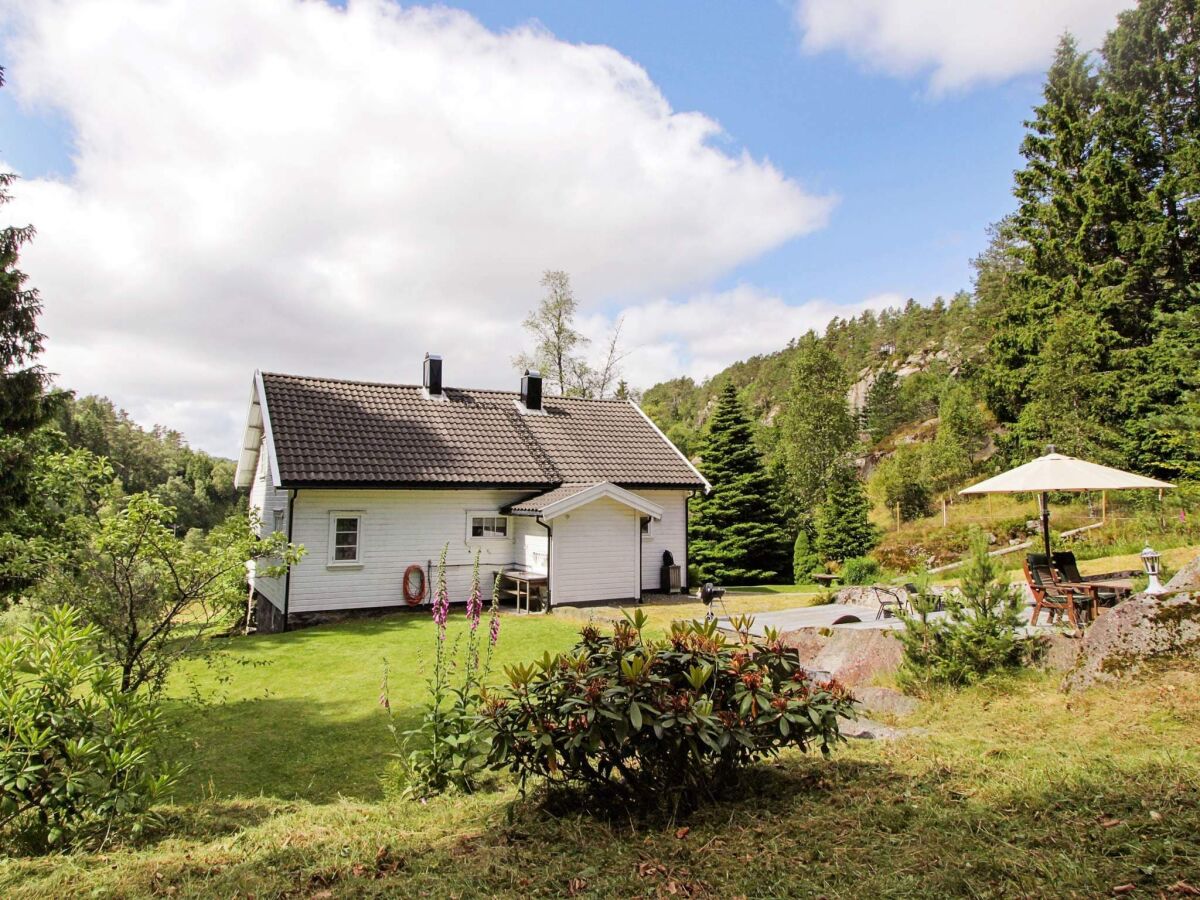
198, 486
1082, 327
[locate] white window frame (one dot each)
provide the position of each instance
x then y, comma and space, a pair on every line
334, 515
473, 514
649, 520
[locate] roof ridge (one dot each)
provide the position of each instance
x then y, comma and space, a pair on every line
448, 387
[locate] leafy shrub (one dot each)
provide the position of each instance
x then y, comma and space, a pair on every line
979, 635
76, 752
449, 748
860, 570
659, 722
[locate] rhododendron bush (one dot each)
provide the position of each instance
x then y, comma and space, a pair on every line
660, 721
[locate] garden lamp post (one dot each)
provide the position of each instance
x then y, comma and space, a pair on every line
1150, 564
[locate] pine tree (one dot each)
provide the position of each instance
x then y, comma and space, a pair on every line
736, 533
843, 521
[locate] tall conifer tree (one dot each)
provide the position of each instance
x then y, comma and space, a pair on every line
736, 533
844, 526
23, 382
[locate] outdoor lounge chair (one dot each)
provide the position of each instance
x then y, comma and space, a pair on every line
1048, 594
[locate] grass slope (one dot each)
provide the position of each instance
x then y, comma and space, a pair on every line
1006, 789
297, 714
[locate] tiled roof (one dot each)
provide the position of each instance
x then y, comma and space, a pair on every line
329, 432
531, 506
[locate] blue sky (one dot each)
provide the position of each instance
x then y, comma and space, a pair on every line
286, 185
918, 177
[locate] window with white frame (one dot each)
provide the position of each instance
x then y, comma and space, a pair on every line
487, 525
345, 538
647, 526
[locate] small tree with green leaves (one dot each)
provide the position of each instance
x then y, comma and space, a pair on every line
77, 753
979, 635
151, 595
843, 522
737, 535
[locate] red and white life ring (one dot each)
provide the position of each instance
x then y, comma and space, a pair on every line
414, 585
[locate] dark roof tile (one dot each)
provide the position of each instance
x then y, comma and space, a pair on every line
348, 432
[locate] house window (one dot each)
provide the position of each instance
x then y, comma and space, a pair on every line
483, 525
647, 526
277, 520
345, 539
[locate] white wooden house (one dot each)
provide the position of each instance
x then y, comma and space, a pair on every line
374, 479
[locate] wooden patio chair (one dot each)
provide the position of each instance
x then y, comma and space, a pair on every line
1048, 594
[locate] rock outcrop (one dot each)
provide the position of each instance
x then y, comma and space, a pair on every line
1140, 629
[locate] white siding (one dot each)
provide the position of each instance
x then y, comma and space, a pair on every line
595, 553
265, 499
531, 544
670, 533
399, 528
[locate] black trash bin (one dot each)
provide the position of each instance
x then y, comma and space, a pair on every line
669, 579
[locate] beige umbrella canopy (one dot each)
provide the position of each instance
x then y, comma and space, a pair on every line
1058, 472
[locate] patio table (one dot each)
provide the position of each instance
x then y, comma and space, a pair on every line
525, 582
1122, 586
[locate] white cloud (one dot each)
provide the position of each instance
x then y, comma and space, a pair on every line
958, 42
701, 335
284, 185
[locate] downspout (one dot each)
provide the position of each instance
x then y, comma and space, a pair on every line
549, 558
287, 578
687, 542
637, 531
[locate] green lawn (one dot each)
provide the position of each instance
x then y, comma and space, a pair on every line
298, 714
1007, 789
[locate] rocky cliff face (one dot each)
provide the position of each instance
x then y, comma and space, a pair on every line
920, 361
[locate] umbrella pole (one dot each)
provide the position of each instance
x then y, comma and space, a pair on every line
1045, 504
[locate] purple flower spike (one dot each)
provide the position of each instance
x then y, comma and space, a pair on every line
474, 607
441, 608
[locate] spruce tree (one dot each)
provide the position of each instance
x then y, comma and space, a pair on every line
843, 521
1052, 252
883, 410
1096, 347
23, 382
736, 533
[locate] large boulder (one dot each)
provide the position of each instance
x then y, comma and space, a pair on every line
851, 655
1143, 627
1187, 578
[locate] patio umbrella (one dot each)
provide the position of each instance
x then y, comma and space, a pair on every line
1058, 472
